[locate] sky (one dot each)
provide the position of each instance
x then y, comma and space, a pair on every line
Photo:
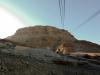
46, 12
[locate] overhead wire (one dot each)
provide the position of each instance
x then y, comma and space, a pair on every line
87, 20
64, 14
62, 7
62, 11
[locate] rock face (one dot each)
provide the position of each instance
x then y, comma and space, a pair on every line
7, 46
21, 60
78, 46
48, 37
87, 46
46, 55
28, 52
20, 65
41, 36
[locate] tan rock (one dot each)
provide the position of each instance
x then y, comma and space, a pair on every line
41, 36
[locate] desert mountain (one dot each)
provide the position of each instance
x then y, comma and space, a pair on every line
49, 37
29, 52
41, 36
20, 60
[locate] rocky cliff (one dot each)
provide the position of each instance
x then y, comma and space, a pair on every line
21, 60
41, 36
49, 37
29, 52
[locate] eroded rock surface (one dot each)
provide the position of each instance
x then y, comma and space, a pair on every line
48, 37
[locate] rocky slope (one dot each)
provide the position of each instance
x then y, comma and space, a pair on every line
29, 52
20, 60
87, 46
46, 55
41, 36
21, 65
48, 37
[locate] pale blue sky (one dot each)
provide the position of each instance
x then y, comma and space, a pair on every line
46, 12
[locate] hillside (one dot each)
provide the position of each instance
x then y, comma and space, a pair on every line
42, 50
49, 37
21, 64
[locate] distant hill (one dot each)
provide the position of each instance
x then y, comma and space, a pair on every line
49, 37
